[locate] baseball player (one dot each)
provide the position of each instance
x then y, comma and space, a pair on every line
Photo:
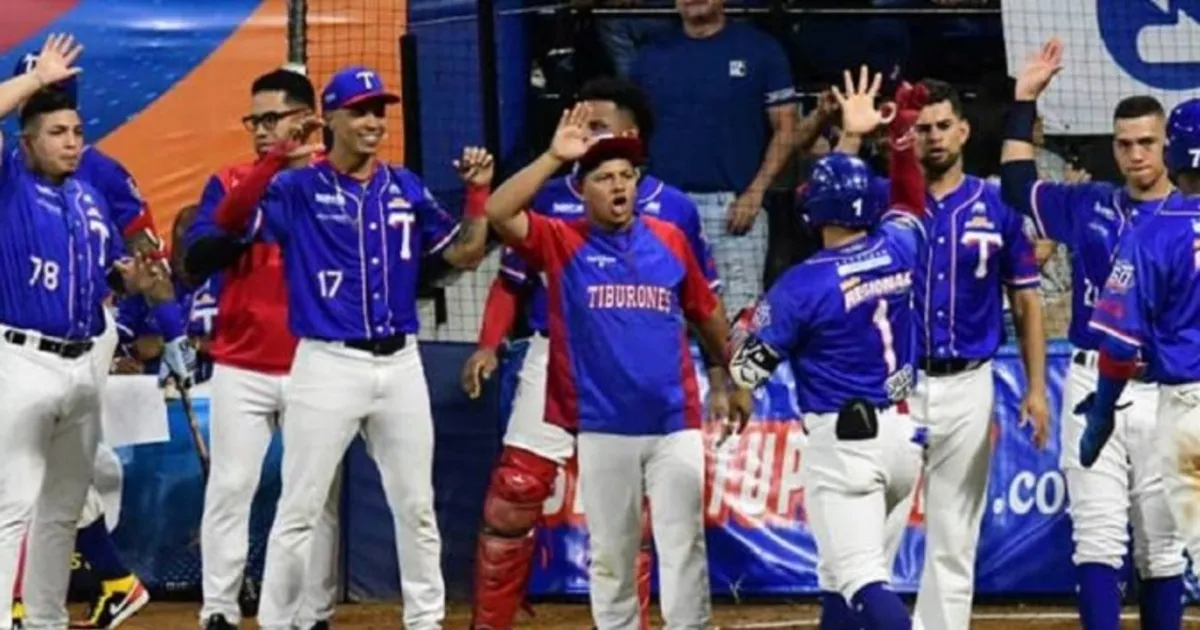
976, 250
534, 450
864, 451
253, 351
627, 384
130, 215
353, 232
1126, 484
60, 260
1149, 316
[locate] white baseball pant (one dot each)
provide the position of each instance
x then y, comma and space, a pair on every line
1178, 444
335, 391
246, 408
107, 468
527, 426
850, 488
957, 411
617, 473
1124, 486
51, 425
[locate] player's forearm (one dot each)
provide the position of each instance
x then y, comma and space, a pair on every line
1027, 315
499, 314
1018, 132
849, 144
470, 246
907, 185
17, 90
808, 130
233, 214
507, 203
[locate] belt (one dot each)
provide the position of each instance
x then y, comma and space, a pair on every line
63, 348
384, 347
947, 367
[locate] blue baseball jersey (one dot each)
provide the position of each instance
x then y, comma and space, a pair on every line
619, 358
352, 249
106, 176
1090, 219
844, 319
976, 247
560, 198
56, 248
1149, 307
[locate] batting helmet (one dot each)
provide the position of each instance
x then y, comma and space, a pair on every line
836, 193
1183, 137
26, 64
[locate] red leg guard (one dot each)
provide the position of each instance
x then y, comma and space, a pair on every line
521, 483
645, 562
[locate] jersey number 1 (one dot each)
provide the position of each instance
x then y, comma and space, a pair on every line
884, 326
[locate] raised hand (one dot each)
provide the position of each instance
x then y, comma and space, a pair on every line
476, 167
299, 145
857, 101
56, 61
572, 138
1038, 70
910, 100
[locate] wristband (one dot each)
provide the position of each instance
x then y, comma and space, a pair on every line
476, 202
1018, 123
169, 317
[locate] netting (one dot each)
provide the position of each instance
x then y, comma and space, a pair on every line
1115, 48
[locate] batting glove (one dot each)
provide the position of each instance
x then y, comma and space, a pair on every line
178, 363
1100, 423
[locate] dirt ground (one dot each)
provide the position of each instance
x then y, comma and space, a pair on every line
171, 616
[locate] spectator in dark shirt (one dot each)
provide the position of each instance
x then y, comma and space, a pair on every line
726, 103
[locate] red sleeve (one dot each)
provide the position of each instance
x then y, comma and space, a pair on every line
907, 180
499, 314
696, 297
237, 207
144, 222
538, 247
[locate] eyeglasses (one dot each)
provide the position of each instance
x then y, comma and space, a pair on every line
268, 120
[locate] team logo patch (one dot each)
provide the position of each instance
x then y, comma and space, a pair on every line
981, 222
1121, 277
399, 202
762, 316
737, 68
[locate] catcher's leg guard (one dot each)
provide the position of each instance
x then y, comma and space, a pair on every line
521, 483
645, 562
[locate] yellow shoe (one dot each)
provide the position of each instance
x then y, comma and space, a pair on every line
18, 614
119, 600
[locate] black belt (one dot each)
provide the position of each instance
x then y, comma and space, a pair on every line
64, 349
947, 367
384, 347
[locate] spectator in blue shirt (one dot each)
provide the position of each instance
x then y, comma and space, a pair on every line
726, 103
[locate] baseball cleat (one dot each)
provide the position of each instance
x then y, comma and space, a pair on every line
119, 600
18, 614
218, 622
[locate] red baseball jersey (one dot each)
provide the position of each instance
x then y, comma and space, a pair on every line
617, 302
252, 333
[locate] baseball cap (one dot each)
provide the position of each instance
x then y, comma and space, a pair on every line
610, 147
29, 60
355, 85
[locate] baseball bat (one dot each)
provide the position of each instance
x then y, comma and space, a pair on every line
185, 398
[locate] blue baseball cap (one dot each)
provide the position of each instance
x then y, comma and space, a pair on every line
26, 64
1183, 136
355, 85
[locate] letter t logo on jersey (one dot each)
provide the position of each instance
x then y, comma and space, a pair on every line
986, 241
